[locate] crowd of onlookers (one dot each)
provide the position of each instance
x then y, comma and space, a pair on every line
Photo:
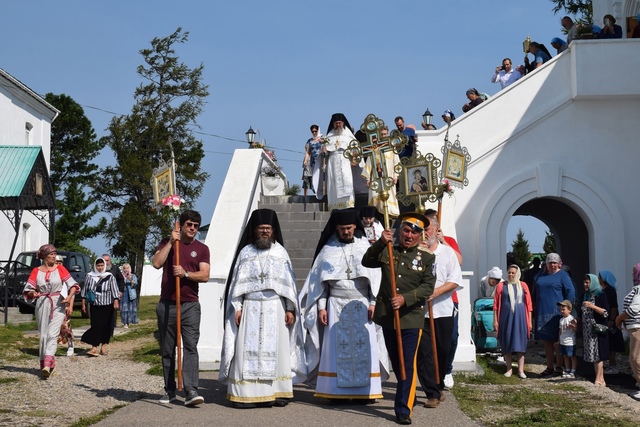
506, 74
546, 303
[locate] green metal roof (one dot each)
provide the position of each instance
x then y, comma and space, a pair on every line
16, 163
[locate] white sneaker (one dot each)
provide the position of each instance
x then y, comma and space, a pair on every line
448, 381
70, 352
635, 395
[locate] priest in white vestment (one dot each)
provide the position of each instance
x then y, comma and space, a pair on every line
390, 160
339, 178
345, 352
262, 354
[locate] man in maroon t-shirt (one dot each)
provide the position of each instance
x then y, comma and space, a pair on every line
193, 269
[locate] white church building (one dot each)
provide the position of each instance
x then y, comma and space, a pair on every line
562, 145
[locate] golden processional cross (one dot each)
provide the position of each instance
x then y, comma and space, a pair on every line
380, 181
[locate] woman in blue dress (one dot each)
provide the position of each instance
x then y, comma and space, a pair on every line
129, 301
553, 285
512, 318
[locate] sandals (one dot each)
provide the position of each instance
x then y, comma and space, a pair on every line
104, 350
93, 352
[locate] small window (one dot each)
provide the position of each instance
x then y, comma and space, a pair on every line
27, 128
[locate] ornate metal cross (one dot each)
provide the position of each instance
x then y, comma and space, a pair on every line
374, 148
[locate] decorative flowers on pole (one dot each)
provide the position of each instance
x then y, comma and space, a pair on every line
173, 201
444, 188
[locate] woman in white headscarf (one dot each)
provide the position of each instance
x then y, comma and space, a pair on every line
101, 291
512, 318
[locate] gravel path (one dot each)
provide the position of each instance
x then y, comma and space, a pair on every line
82, 386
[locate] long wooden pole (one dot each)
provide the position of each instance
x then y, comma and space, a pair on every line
176, 261
384, 196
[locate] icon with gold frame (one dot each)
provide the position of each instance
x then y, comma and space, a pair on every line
419, 178
455, 161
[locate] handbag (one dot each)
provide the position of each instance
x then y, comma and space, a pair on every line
132, 293
90, 296
599, 329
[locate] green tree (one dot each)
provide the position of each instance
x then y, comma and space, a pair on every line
73, 149
520, 249
549, 245
581, 9
167, 104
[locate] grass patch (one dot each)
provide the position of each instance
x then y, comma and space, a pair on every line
493, 399
8, 380
89, 421
150, 353
14, 345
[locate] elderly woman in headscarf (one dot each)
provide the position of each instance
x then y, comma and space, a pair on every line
595, 310
631, 317
489, 282
512, 309
553, 285
559, 45
616, 341
45, 285
101, 291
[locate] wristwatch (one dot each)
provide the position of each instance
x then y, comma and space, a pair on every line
186, 274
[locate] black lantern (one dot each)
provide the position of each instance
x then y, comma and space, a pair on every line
251, 136
426, 118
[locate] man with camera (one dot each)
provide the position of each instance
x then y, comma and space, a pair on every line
505, 74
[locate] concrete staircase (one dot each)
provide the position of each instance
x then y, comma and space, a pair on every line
14, 316
302, 219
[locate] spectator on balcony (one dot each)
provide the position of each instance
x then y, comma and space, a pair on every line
572, 29
505, 74
474, 100
541, 54
559, 45
610, 29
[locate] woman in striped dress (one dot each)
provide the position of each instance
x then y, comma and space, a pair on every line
101, 291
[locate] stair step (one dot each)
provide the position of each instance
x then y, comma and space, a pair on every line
14, 316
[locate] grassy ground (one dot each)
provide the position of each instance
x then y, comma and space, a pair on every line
492, 399
15, 345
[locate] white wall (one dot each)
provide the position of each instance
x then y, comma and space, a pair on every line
19, 106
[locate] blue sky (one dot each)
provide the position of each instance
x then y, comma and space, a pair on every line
277, 66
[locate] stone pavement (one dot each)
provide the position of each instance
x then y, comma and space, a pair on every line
304, 410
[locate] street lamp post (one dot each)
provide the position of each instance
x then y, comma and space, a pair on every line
251, 136
427, 117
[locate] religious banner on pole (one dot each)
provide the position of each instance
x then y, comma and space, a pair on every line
381, 181
163, 182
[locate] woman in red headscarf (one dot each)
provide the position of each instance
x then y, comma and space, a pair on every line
44, 286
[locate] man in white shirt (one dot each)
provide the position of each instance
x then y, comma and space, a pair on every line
505, 75
448, 279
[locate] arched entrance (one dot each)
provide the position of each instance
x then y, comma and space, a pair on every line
570, 231
580, 212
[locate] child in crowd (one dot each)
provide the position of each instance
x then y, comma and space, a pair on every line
567, 339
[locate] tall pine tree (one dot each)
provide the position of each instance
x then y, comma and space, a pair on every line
73, 149
166, 106
520, 249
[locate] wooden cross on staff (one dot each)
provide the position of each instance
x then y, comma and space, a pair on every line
374, 148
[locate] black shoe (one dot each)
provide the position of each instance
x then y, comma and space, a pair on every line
167, 398
281, 402
193, 399
403, 419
